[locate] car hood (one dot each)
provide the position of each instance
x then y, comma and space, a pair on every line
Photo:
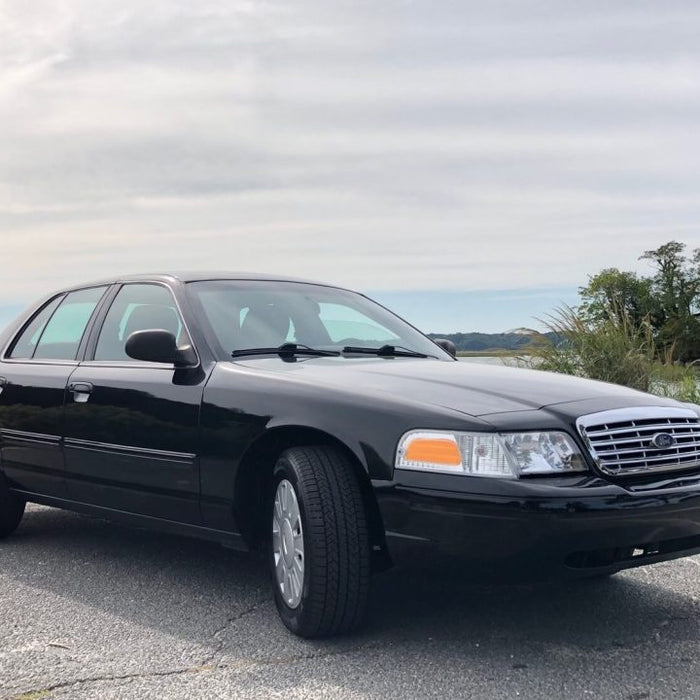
473, 389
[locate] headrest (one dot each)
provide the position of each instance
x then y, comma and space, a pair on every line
264, 326
150, 317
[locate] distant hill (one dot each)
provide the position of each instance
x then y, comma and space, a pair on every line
521, 331
517, 339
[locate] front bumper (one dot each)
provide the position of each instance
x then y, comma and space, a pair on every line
541, 532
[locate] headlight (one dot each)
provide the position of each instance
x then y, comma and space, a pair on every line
489, 454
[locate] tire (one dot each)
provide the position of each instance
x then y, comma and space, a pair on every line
11, 509
330, 595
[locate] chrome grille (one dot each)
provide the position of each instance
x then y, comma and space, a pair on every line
641, 440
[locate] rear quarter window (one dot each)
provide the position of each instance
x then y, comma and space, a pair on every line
56, 331
25, 344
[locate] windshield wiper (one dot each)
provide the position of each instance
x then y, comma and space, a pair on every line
386, 351
286, 349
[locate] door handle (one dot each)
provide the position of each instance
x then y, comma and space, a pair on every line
81, 391
81, 387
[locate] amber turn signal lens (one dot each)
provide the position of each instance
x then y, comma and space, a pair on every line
434, 451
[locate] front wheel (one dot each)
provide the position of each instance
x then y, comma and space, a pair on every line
319, 549
11, 509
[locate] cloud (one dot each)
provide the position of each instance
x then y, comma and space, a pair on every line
394, 145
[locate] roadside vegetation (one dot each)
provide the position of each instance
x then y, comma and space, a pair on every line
489, 344
638, 331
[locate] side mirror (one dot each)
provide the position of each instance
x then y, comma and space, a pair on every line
159, 346
446, 345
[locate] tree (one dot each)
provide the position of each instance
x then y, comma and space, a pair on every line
676, 281
617, 294
675, 286
667, 301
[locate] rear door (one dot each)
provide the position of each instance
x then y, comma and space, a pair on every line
34, 372
131, 427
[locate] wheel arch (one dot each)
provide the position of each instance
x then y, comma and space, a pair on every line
254, 476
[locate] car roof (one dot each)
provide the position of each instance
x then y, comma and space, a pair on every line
196, 276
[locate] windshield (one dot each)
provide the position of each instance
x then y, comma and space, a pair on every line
257, 314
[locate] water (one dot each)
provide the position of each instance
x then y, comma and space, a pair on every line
490, 360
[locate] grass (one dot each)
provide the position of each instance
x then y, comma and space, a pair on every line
685, 388
613, 350
33, 695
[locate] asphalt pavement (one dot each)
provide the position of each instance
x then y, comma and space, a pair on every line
91, 609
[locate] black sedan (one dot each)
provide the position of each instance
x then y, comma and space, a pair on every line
310, 423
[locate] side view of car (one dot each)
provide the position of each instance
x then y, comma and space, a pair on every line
312, 424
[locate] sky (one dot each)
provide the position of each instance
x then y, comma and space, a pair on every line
467, 163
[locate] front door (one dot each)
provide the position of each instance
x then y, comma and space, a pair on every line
131, 427
33, 377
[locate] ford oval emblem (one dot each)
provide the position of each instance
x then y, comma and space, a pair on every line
663, 441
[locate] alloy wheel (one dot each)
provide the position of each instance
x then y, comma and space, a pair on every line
288, 544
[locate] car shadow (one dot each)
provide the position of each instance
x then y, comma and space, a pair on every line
621, 611
171, 583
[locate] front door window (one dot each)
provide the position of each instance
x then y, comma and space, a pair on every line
138, 307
